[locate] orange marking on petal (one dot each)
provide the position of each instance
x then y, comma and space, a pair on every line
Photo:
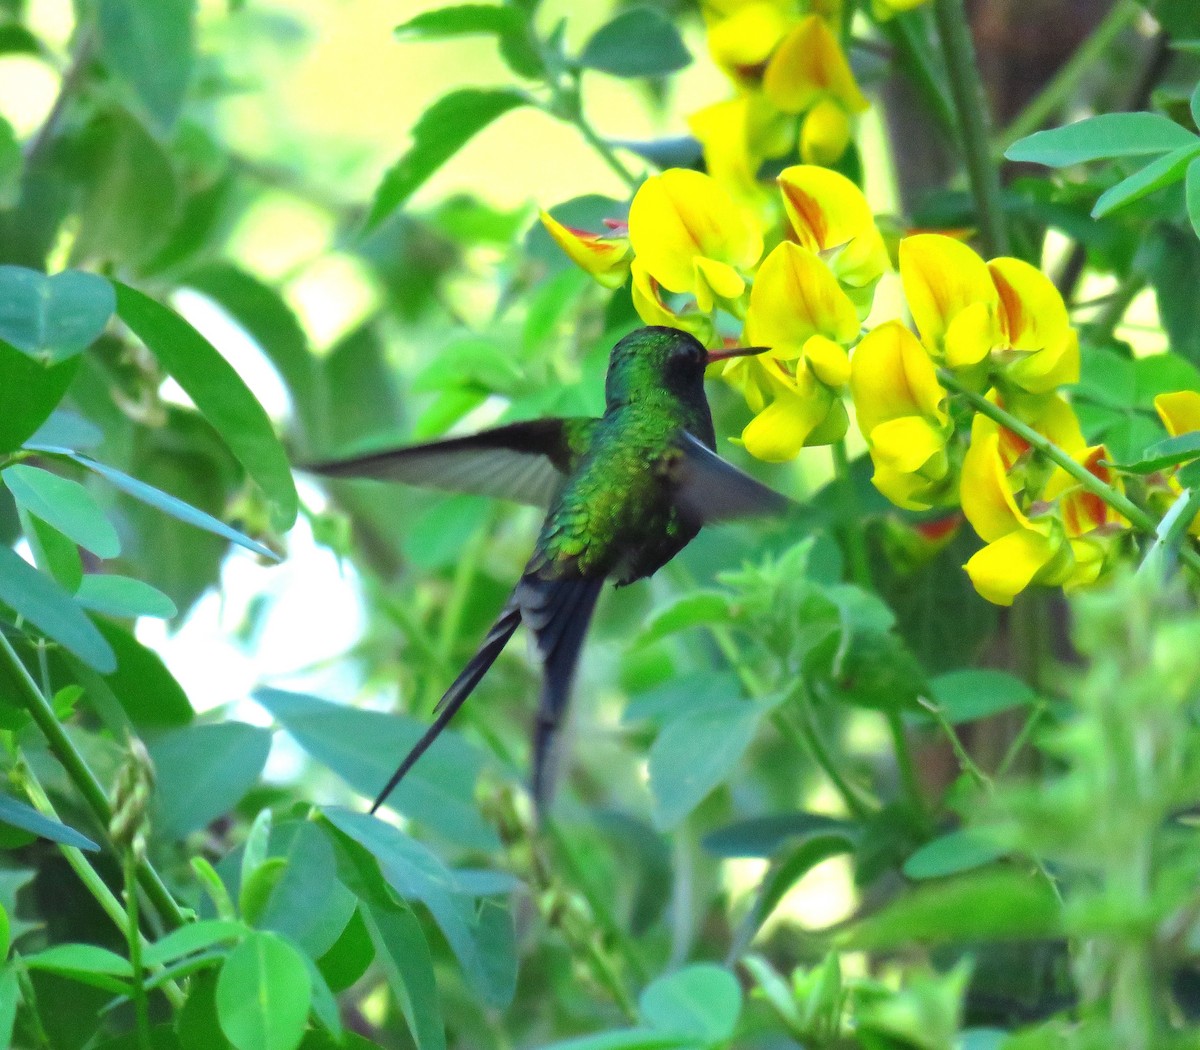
941, 528
810, 210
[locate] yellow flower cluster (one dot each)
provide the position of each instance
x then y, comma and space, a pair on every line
698, 258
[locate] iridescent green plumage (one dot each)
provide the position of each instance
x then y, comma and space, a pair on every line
624, 494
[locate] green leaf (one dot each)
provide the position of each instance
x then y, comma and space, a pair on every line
415, 873
203, 771
1169, 452
130, 199
53, 318
123, 597
307, 904
146, 689
1191, 188
1154, 176
403, 953
639, 42
990, 905
220, 395
29, 393
263, 994
150, 47
324, 1004
64, 504
695, 753
1102, 137
966, 695
194, 937
350, 955
85, 963
361, 747
441, 132
29, 819
510, 25
690, 610
763, 836
10, 996
702, 1002
959, 850
628, 1039
11, 162
48, 607
160, 500
793, 864
52, 552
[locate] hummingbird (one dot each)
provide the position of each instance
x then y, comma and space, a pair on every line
624, 493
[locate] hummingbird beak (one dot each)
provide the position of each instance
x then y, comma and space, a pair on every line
734, 351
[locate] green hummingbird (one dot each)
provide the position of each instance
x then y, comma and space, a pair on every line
624, 493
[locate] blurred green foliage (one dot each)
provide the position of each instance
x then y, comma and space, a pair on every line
990, 819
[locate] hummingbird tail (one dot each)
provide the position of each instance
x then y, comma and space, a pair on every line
462, 687
558, 611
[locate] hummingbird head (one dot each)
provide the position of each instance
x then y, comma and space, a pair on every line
656, 358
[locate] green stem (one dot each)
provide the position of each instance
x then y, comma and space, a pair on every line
1055, 96
802, 735
1121, 503
1172, 534
124, 919
83, 778
140, 1006
72, 80
968, 764
568, 104
966, 88
908, 770
1020, 740
29, 1000
851, 516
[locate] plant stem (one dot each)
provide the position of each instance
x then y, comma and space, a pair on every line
568, 105
851, 515
72, 78
1172, 533
1053, 98
1121, 503
968, 764
966, 88
908, 769
83, 778
140, 1007
802, 734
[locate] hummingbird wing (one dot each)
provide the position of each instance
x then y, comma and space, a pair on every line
708, 489
558, 611
462, 687
523, 462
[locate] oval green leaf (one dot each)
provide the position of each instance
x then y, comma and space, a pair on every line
263, 994
1100, 138
123, 597
220, 395
53, 318
64, 504
29, 392
29, 819
639, 42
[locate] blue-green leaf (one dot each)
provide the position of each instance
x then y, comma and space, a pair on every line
220, 395
149, 46
123, 597
961, 850
160, 500
702, 1002
48, 607
64, 504
639, 42
1102, 137
53, 318
1154, 176
29, 819
29, 391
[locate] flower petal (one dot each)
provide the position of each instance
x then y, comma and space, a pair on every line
891, 376
745, 37
1179, 411
807, 65
794, 298
825, 133
826, 210
1032, 312
987, 497
942, 277
650, 308
679, 216
907, 444
1008, 565
778, 432
605, 258
829, 361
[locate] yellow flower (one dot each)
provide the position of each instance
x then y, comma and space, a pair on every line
798, 309
968, 311
605, 257
690, 236
647, 301
902, 414
737, 137
1179, 412
829, 215
1064, 544
807, 74
741, 36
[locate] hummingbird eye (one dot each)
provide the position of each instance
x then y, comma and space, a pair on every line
688, 353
